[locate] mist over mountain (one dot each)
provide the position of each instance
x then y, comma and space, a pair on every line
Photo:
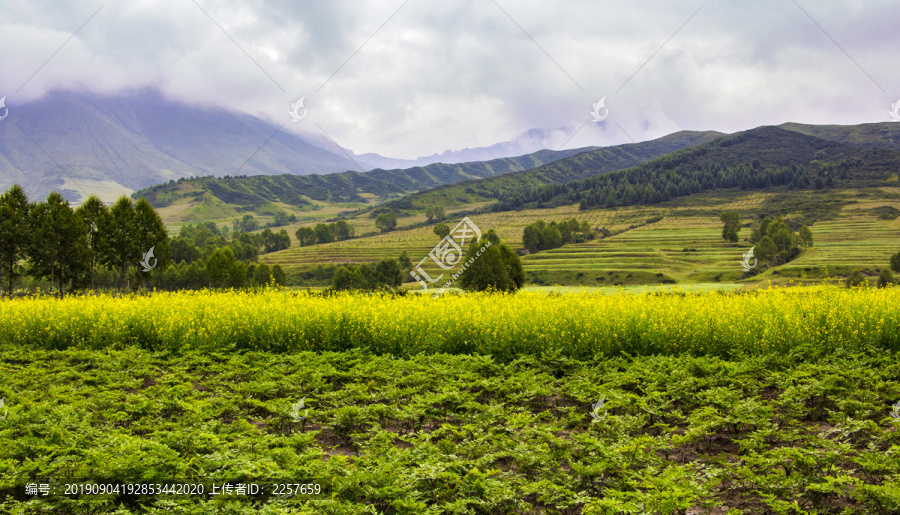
82, 143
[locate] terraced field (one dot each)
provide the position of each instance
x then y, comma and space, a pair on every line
684, 247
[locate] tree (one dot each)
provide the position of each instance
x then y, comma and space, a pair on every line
441, 230
221, 267
343, 230
551, 237
388, 274
885, 278
196, 276
278, 275
765, 250
732, 226
183, 250
90, 213
856, 279
895, 262
247, 224
275, 241
386, 221
586, 230
343, 279
58, 241
324, 233
261, 275
435, 213
150, 232
491, 266
404, 262
14, 232
532, 238
781, 235
306, 236
244, 252
806, 236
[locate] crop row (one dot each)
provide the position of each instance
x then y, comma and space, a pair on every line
574, 325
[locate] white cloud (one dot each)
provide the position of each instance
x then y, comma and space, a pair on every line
461, 74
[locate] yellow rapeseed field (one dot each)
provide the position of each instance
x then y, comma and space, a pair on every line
578, 324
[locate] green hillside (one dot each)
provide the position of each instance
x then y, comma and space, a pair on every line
577, 167
885, 134
216, 199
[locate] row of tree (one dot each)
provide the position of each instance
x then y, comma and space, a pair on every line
387, 274
655, 182
53, 241
542, 236
324, 233
222, 269
776, 243
773, 239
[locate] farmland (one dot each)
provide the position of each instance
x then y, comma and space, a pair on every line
768, 402
684, 246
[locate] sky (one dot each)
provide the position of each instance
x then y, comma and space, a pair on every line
407, 78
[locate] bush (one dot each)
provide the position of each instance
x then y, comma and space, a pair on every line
855, 279
885, 278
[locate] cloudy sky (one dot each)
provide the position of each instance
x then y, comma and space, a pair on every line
410, 78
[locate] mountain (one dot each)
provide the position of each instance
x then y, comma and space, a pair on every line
579, 166
765, 158
870, 135
81, 141
437, 184
199, 198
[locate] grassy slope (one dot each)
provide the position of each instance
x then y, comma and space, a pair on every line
852, 236
312, 197
609, 159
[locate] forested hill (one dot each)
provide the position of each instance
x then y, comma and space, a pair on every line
351, 186
766, 157
577, 167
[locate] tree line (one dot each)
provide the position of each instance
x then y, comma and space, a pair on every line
324, 233
542, 236
50, 240
124, 246
656, 182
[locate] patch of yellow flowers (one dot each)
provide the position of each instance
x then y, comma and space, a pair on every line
575, 324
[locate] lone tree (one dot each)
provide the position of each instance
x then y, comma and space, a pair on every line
442, 230
732, 226
386, 221
435, 213
491, 265
895, 262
